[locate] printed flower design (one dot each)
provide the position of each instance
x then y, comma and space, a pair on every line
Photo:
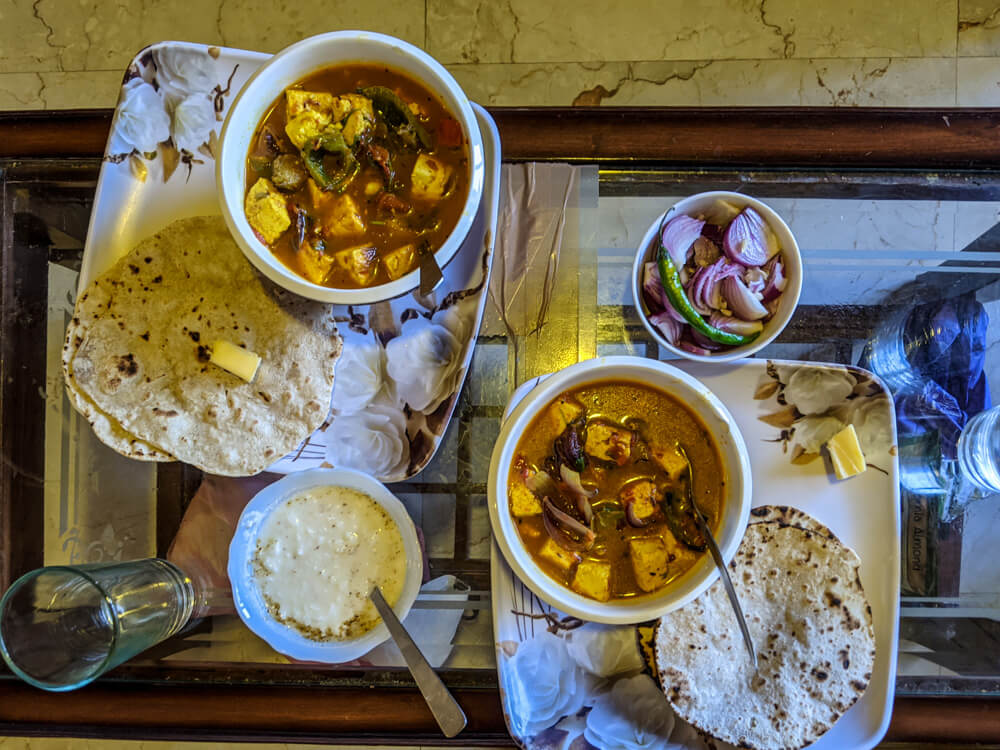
423, 363
634, 715
373, 441
604, 651
172, 101
193, 122
546, 684
872, 421
142, 121
815, 402
359, 377
180, 72
816, 390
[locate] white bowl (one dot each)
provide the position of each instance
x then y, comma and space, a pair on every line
735, 462
700, 203
286, 68
247, 597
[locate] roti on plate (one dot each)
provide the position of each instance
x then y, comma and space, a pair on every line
812, 627
136, 358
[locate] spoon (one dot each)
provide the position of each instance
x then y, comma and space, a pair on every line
719, 562
447, 713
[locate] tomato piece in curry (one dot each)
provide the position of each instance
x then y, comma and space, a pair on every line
354, 174
599, 489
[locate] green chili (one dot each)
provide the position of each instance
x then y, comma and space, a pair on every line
670, 278
397, 115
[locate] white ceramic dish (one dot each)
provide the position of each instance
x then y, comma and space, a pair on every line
693, 206
283, 70
862, 511
250, 604
735, 513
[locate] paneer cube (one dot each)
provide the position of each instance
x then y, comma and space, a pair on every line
678, 553
306, 126
400, 261
562, 411
593, 579
315, 265
523, 501
649, 561
356, 103
558, 556
670, 461
356, 125
361, 262
338, 214
267, 210
430, 178
297, 102
641, 495
608, 442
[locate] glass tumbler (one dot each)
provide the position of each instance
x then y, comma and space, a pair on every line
63, 626
979, 451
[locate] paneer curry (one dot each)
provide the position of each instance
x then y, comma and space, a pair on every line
601, 489
354, 174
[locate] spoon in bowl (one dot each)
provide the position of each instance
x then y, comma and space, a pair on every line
719, 562
447, 713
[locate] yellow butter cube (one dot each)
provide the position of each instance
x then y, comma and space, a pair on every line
845, 453
235, 359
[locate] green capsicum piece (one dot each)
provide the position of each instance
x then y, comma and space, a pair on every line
670, 278
332, 142
397, 114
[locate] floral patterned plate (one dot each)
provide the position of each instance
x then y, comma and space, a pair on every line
572, 686
404, 360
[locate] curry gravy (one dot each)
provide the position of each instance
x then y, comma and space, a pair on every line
657, 420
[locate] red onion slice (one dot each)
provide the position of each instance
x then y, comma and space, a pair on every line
565, 530
652, 287
732, 324
741, 301
667, 325
689, 347
705, 342
776, 281
746, 241
679, 235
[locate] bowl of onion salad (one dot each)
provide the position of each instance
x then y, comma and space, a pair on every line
717, 277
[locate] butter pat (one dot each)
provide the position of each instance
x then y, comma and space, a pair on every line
237, 360
845, 452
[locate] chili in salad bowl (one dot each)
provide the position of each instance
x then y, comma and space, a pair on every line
717, 277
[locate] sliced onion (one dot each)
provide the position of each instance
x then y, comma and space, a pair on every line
705, 342
580, 494
652, 287
741, 301
776, 281
696, 290
756, 279
667, 325
562, 528
732, 324
746, 239
689, 347
679, 235
705, 294
722, 212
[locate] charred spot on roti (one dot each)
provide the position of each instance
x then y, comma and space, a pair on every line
204, 355
165, 412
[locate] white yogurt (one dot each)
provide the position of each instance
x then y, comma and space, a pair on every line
318, 556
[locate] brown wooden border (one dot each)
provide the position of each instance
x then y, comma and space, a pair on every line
937, 139
734, 137
360, 716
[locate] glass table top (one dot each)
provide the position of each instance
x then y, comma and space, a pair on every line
875, 246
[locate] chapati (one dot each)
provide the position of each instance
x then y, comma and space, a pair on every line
812, 626
136, 355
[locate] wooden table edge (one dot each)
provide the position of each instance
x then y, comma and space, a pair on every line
820, 137
335, 715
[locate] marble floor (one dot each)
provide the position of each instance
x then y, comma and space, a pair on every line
64, 54
71, 53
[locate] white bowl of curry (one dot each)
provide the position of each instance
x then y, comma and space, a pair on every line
345, 162
590, 482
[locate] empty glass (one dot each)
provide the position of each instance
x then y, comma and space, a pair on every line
979, 451
63, 626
